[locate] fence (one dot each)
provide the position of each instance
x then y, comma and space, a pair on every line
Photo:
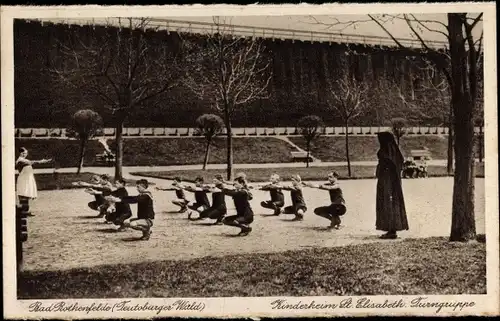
199, 27
247, 131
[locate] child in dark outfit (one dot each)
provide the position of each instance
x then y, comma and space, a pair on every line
241, 197
119, 212
218, 210
298, 206
181, 200
201, 201
145, 209
337, 207
99, 199
277, 198
100, 187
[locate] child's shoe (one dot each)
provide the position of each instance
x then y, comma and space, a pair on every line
146, 235
245, 231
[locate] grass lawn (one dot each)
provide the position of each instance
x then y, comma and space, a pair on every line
408, 267
162, 151
311, 173
361, 148
46, 182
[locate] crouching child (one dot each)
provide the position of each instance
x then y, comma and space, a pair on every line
181, 200
145, 209
298, 206
118, 212
218, 210
201, 202
277, 200
244, 214
337, 206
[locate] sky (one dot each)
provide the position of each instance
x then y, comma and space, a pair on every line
333, 25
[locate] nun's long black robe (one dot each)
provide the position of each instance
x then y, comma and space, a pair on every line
391, 211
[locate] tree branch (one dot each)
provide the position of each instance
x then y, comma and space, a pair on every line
387, 32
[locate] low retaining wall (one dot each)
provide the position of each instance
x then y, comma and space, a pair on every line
249, 131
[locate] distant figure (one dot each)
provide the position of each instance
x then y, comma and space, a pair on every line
391, 212
26, 185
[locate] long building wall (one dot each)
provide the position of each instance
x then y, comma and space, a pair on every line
300, 70
40, 133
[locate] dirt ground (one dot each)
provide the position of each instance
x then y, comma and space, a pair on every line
64, 235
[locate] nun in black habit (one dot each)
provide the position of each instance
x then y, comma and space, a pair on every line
391, 212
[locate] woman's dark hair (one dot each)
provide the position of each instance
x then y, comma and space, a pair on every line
143, 182
219, 177
22, 150
105, 177
177, 179
199, 179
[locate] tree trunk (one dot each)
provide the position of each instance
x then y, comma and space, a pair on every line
229, 141
207, 152
449, 164
119, 150
347, 149
308, 152
481, 144
463, 227
83, 142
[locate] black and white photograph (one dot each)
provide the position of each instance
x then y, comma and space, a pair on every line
314, 161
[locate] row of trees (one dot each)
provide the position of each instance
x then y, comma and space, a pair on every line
87, 124
231, 72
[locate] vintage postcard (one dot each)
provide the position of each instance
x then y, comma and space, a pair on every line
249, 161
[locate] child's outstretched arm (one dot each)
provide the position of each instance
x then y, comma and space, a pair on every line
310, 185
329, 186
211, 189
159, 188
193, 189
127, 199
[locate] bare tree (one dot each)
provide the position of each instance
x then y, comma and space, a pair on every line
346, 95
459, 63
84, 125
125, 64
399, 127
310, 127
230, 72
209, 126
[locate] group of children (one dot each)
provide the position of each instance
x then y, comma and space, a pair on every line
112, 201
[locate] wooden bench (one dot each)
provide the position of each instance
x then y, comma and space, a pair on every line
300, 156
105, 159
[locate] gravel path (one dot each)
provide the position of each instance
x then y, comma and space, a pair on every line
62, 235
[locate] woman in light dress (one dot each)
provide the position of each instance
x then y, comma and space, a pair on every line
26, 185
